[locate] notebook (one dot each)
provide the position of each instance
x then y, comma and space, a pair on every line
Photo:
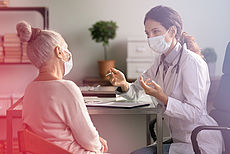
99, 91
115, 104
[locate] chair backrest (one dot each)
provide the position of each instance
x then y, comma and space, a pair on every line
32, 143
222, 97
226, 64
222, 100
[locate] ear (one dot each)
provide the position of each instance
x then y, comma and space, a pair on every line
58, 53
173, 31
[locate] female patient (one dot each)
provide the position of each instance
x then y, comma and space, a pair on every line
53, 107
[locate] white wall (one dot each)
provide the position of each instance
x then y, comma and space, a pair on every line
206, 20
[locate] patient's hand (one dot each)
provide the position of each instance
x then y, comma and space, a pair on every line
104, 144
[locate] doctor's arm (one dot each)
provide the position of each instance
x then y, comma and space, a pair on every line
194, 91
117, 78
130, 91
194, 80
152, 88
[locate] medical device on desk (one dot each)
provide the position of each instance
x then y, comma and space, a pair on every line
108, 74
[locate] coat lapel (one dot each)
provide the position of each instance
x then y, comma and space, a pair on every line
170, 78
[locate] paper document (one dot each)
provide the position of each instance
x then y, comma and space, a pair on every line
116, 104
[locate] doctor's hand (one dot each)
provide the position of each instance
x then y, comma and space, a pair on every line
117, 78
104, 144
152, 88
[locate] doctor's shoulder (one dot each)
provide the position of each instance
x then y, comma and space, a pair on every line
191, 58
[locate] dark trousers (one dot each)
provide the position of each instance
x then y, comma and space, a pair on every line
152, 149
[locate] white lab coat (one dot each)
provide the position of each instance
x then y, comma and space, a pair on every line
187, 93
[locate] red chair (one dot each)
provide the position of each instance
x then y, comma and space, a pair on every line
32, 143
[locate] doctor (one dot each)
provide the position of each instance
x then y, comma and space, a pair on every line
179, 79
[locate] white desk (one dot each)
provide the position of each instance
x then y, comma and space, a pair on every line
15, 111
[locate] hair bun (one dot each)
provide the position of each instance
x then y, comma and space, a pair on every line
24, 31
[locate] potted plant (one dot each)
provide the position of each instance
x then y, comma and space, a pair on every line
102, 32
210, 57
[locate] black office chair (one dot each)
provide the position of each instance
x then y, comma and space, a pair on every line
152, 124
221, 113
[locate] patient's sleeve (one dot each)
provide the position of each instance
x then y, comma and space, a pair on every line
79, 121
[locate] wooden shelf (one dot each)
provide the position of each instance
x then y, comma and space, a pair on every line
44, 11
14, 63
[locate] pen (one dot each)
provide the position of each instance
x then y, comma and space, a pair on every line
108, 74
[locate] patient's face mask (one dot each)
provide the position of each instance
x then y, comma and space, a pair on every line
68, 62
158, 44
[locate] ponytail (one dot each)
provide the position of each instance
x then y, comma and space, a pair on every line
191, 43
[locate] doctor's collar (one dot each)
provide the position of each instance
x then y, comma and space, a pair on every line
176, 66
172, 55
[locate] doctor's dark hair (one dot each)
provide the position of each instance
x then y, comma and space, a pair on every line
168, 17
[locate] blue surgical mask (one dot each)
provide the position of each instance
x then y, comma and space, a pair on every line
158, 44
68, 65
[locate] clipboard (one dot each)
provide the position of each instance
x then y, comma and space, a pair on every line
117, 104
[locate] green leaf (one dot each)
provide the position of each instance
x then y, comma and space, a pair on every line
103, 31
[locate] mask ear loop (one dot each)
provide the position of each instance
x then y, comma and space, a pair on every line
66, 50
70, 54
